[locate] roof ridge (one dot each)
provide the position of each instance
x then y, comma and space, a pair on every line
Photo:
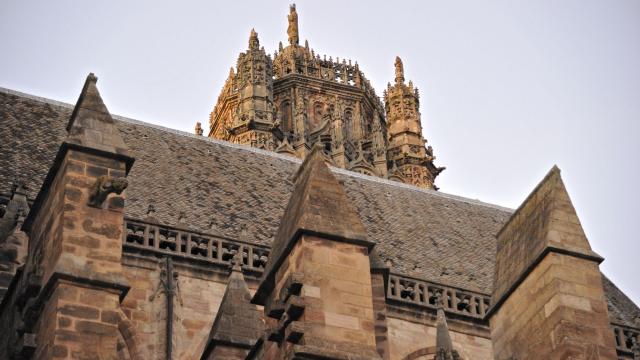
334, 169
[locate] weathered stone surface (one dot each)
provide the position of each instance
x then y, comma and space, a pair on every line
546, 220
92, 126
238, 323
549, 299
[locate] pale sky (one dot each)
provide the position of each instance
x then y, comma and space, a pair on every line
508, 88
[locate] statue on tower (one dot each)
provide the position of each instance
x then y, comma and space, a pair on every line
254, 43
292, 30
399, 70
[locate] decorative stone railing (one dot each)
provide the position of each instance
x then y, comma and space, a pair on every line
188, 244
627, 339
421, 293
165, 240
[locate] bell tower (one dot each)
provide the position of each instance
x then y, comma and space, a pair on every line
406, 148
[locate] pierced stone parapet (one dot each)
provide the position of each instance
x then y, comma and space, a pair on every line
465, 303
162, 239
627, 341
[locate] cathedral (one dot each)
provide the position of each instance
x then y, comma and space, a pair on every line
305, 224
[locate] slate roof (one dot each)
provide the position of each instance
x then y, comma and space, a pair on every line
223, 187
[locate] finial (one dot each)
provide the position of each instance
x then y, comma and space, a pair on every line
292, 30
231, 72
236, 262
198, 129
18, 187
254, 43
306, 44
151, 209
244, 232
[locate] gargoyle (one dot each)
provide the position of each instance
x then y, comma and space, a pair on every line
104, 186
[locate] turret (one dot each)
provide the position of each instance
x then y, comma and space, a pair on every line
254, 119
406, 144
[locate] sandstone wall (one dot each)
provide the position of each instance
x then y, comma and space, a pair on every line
195, 306
558, 309
409, 340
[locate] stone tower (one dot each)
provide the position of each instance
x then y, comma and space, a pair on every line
300, 98
406, 143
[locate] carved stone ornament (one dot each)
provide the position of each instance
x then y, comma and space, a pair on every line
104, 186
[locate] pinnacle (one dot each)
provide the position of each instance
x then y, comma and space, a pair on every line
254, 42
318, 206
238, 322
91, 125
546, 221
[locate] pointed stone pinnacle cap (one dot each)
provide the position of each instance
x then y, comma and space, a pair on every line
92, 127
443, 338
238, 323
545, 222
319, 207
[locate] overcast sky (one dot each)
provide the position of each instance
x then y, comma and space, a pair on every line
508, 88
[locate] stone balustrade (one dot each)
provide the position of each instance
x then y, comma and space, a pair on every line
161, 239
166, 240
465, 303
627, 340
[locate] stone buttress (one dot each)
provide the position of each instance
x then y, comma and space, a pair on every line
64, 301
548, 295
316, 288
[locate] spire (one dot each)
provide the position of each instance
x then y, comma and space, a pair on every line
254, 43
92, 127
292, 29
238, 323
399, 70
444, 346
319, 206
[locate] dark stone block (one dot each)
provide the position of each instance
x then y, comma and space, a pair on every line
95, 327
80, 311
73, 194
96, 171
